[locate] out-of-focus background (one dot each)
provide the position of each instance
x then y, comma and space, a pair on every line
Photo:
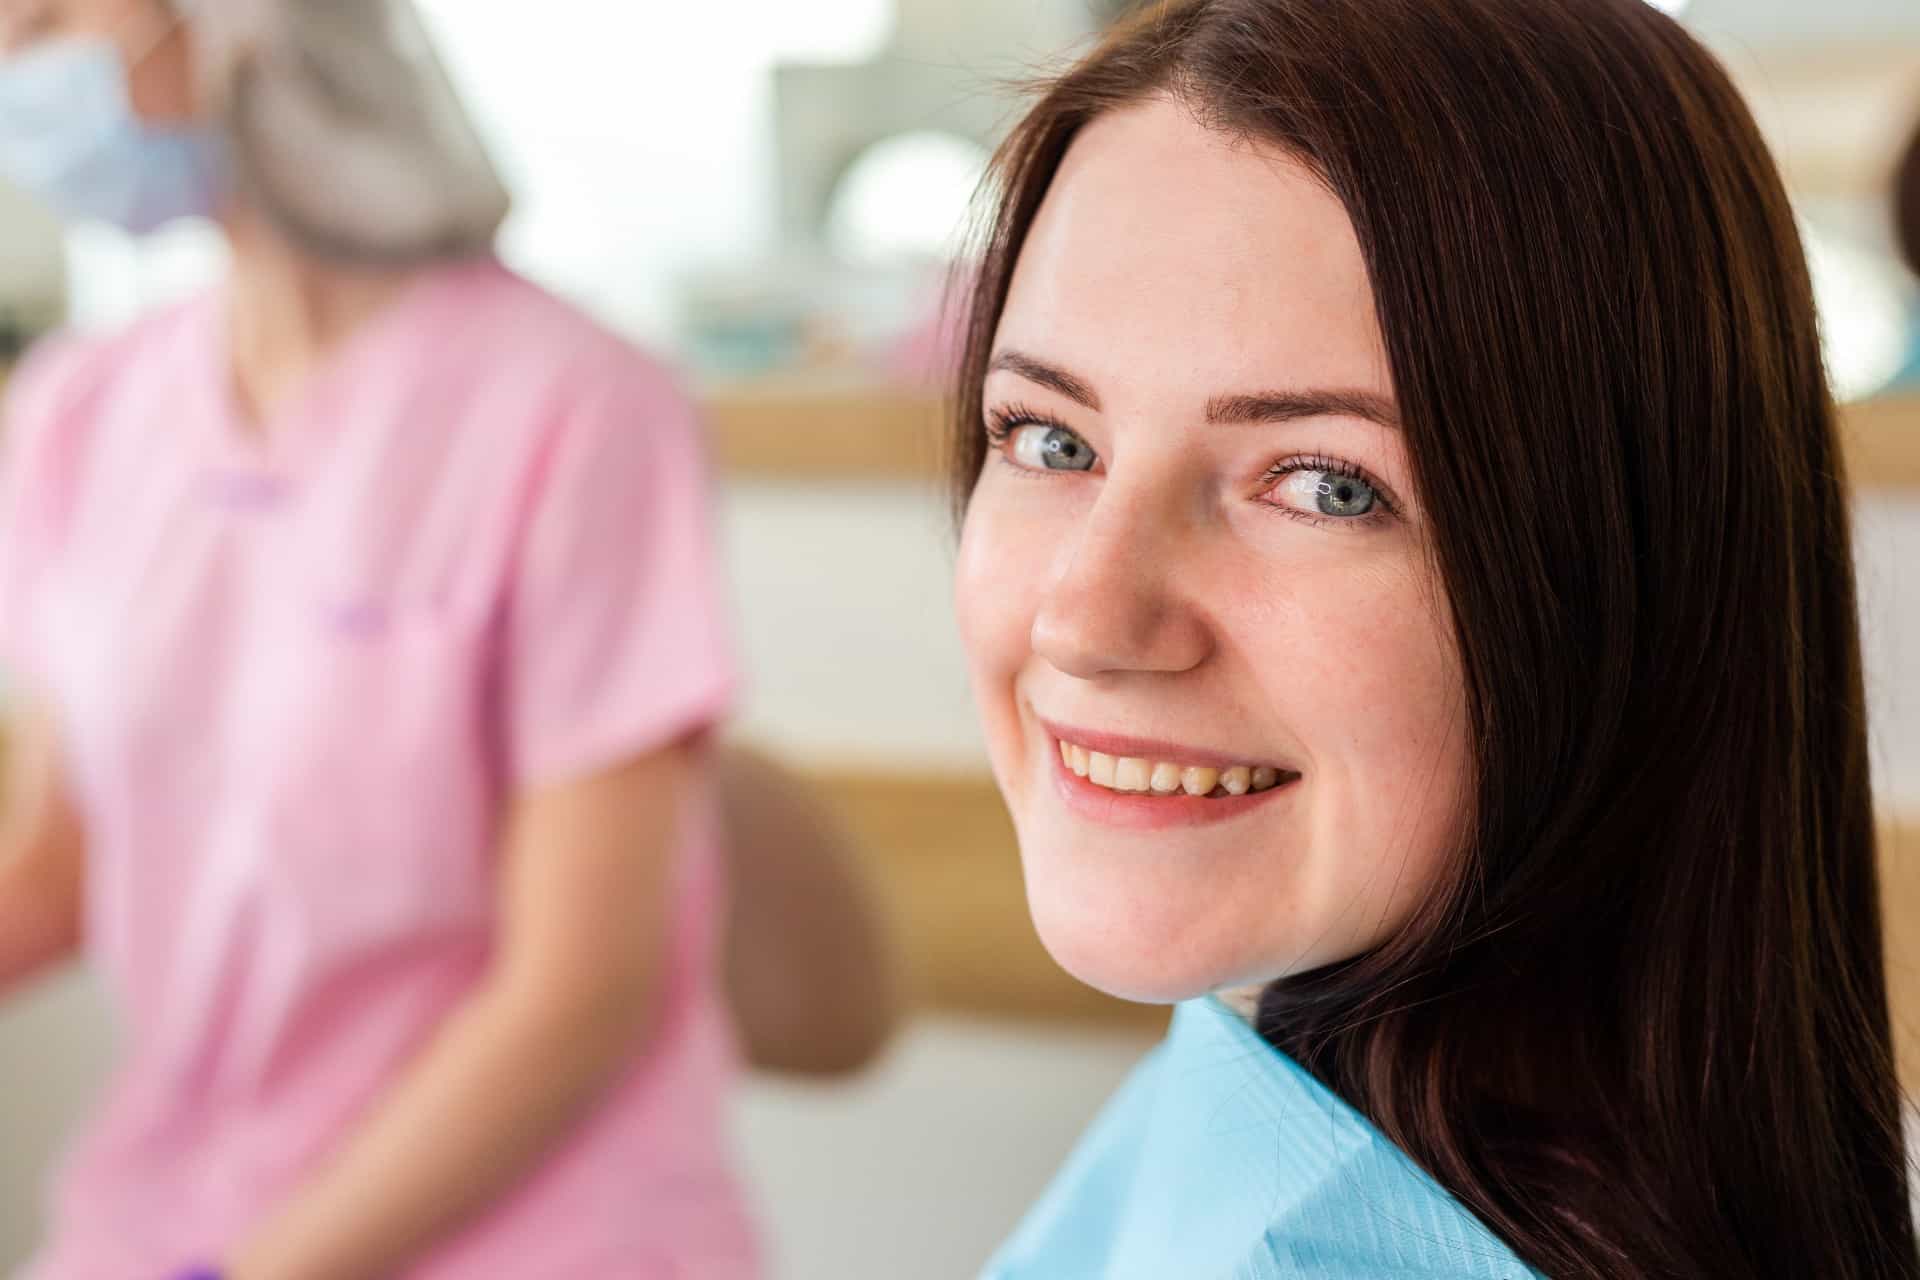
770, 191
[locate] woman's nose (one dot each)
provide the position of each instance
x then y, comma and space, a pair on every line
1116, 603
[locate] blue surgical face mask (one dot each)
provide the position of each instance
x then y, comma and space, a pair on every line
69, 134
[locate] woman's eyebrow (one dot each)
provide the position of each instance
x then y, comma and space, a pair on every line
1047, 375
1261, 407
1286, 406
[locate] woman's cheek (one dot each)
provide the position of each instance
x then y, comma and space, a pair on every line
1363, 669
1007, 550
979, 599
997, 582
1405, 733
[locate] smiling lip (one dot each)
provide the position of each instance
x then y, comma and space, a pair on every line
1144, 812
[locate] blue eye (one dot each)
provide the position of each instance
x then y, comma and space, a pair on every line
1039, 447
1343, 495
1321, 491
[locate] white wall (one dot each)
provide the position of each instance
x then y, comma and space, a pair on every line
921, 1170
1889, 568
1780, 21
54, 1047
843, 597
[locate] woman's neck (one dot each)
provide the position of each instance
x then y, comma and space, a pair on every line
1244, 1001
288, 312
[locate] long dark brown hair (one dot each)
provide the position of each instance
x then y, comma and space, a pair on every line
1642, 1028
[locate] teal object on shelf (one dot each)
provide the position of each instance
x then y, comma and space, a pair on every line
1223, 1159
1909, 375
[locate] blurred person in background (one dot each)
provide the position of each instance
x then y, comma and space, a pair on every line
1408, 590
365, 640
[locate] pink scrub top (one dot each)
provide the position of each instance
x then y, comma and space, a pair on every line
299, 674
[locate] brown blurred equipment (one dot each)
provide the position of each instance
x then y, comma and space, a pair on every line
810, 966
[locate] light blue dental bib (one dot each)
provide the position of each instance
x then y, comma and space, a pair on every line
1222, 1159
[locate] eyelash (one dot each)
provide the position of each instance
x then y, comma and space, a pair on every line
1004, 420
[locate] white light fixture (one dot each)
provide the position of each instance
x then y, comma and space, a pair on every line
906, 198
1674, 7
837, 31
1863, 314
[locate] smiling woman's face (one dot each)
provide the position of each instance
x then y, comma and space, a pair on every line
1195, 563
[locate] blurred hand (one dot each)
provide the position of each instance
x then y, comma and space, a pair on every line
42, 854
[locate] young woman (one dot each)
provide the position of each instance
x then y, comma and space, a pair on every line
366, 627
1407, 584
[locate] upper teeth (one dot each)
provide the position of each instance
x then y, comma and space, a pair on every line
1131, 773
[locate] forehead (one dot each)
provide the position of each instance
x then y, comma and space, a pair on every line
1167, 252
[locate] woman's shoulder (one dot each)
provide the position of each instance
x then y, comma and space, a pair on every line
66, 369
50, 420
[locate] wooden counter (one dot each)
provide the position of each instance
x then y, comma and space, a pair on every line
840, 429
1883, 442
1900, 908
825, 429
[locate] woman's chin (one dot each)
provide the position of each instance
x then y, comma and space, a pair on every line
1121, 962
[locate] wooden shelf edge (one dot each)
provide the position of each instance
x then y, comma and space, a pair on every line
1882, 438
826, 431
800, 430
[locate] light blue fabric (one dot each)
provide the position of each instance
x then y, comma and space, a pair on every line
1222, 1159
